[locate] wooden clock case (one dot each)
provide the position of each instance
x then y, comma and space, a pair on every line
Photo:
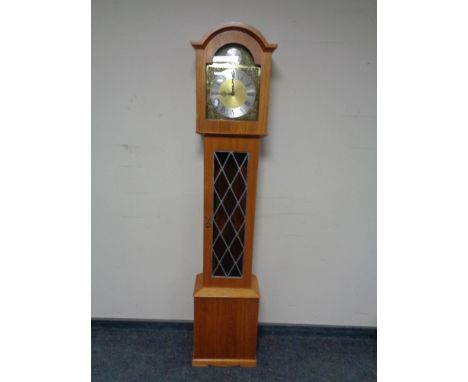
226, 308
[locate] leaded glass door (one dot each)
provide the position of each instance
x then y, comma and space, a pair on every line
229, 213
230, 177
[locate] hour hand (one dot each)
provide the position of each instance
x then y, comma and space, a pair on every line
232, 88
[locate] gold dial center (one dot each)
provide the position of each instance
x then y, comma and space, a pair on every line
230, 100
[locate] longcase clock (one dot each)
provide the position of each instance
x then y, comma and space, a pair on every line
233, 65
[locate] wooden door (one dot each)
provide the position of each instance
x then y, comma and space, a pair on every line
229, 209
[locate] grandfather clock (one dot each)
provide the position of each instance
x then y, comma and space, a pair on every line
233, 65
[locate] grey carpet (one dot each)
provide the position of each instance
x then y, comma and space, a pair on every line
162, 352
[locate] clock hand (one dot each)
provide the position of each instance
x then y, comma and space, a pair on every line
232, 88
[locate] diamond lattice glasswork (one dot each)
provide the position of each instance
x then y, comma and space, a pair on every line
229, 211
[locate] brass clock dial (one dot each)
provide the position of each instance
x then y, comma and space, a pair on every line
232, 85
233, 93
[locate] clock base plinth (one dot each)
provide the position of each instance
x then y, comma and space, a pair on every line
225, 325
224, 362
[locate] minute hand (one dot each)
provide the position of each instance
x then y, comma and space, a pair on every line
232, 88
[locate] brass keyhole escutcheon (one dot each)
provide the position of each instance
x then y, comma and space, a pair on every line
208, 221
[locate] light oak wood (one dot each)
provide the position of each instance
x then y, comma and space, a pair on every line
225, 324
225, 292
261, 52
252, 146
245, 28
224, 362
226, 309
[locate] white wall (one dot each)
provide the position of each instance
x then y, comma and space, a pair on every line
315, 239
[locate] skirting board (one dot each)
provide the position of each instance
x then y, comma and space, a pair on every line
263, 328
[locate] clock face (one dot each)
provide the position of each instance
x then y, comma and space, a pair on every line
233, 93
232, 85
